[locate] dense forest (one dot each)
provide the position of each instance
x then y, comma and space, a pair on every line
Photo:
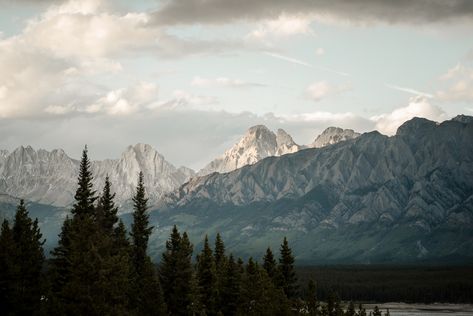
99, 268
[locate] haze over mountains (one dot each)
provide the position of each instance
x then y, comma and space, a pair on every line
50, 177
345, 198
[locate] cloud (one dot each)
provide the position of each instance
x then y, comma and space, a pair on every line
418, 107
409, 90
305, 64
223, 82
460, 84
322, 89
354, 11
283, 26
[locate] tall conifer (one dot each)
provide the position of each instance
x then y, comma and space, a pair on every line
286, 268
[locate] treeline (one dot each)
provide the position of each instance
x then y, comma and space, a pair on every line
386, 283
98, 268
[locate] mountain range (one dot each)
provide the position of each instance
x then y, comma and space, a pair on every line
344, 198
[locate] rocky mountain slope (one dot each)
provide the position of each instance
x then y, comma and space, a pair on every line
374, 198
259, 142
50, 177
333, 135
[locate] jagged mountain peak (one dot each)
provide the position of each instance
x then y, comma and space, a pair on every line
333, 135
257, 143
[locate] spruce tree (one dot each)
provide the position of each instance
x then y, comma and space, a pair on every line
270, 265
176, 275
28, 259
311, 300
376, 311
361, 310
221, 262
207, 278
231, 288
106, 209
85, 195
286, 268
7, 268
146, 293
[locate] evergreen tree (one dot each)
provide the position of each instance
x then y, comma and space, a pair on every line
106, 209
146, 293
259, 295
7, 268
207, 278
140, 229
270, 265
176, 275
312, 303
220, 258
28, 259
286, 268
85, 195
231, 288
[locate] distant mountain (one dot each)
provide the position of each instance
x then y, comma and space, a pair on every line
405, 198
259, 142
333, 135
50, 177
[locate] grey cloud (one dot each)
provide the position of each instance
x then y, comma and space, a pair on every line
364, 11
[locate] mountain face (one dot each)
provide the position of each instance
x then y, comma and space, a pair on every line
50, 177
333, 135
405, 198
259, 142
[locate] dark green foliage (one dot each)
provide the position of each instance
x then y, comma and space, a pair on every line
361, 311
21, 261
231, 288
8, 269
106, 210
259, 296
286, 268
146, 291
311, 299
140, 229
221, 262
176, 275
85, 195
207, 279
270, 265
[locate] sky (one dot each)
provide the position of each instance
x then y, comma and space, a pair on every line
189, 77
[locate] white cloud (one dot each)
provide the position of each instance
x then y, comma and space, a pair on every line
283, 26
460, 84
223, 82
322, 89
418, 107
320, 51
409, 90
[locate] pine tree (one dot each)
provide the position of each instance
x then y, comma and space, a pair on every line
231, 288
85, 195
286, 268
221, 262
311, 300
376, 311
176, 274
7, 268
28, 259
207, 278
106, 209
147, 295
270, 265
140, 229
